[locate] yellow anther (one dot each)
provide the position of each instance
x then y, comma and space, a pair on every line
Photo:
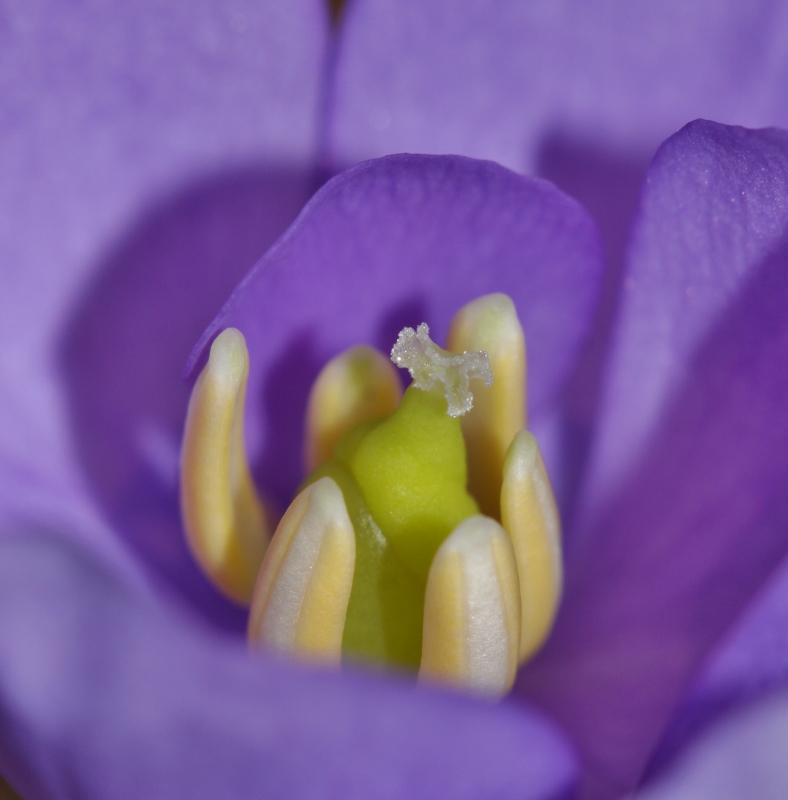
472, 610
225, 522
530, 517
490, 323
358, 385
302, 593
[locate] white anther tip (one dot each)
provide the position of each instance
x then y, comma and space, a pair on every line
228, 359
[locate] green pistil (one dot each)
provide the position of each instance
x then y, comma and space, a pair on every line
413, 474
404, 481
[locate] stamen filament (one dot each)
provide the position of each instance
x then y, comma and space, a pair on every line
530, 517
226, 524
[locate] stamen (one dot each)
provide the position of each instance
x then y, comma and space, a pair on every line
357, 386
472, 610
530, 517
462, 594
301, 597
428, 364
225, 522
490, 323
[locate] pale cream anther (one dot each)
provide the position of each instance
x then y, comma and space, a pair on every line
472, 610
225, 521
530, 517
429, 364
358, 385
490, 323
302, 593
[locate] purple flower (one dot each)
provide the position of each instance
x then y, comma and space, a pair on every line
151, 153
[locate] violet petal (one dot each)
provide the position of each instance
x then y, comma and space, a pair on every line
578, 92
742, 757
105, 694
685, 516
151, 151
400, 241
432, 76
751, 660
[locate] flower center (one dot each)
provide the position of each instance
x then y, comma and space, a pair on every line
383, 556
404, 480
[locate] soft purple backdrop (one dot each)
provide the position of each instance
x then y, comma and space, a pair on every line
151, 153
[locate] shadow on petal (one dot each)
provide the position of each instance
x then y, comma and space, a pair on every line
608, 184
749, 662
279, 468
125, 345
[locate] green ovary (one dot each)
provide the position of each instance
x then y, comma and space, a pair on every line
404, 482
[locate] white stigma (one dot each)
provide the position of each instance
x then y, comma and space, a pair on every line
429, 364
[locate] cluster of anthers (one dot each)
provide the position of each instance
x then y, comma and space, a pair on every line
425, 536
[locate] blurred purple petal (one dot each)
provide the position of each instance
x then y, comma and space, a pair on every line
396, 242
151, 151
578, 92
432, 76
749, 661
688, 515
741, 758
713, 213
103, 694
